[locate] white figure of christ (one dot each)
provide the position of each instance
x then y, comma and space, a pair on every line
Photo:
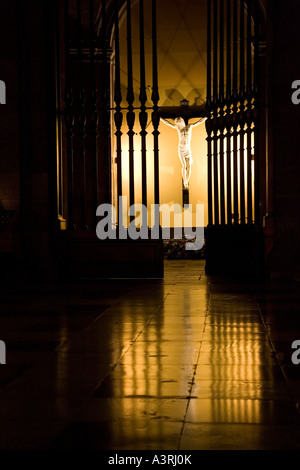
184, 146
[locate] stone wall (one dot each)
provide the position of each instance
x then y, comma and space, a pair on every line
284, 128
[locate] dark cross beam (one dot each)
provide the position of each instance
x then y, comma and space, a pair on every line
186, 112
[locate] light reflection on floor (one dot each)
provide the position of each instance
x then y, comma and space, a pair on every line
173, 364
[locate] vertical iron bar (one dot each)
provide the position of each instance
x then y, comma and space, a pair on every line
143, 99
242, 173
208, 122
117, 91
208, 53
106, 100
235, 177
118, 117
228, 116
228, 165
256, 44
249, 114
215, 101
92, 46
60, 206
235, 49
249, 49
221, 71
242, 46
235, 120
155, 100
216, 179
256, 130
242, 115
69, 119
81, 121
228, 53
222, 104
130, 100
93, 110
215, 54
209, 172
249, 170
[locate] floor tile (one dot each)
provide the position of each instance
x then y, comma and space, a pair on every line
187, 362
239, 437
239, 410
124, 435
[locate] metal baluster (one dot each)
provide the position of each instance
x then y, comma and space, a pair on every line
80, 128
221, 96
118, 116
215, 103
228, 116
143, 114
235, 120
235, 51
242, 115
60, 185
105, 114
208, 122
130, 114
256, 95
69, 119
155, 100
93, 116
215, 53
249, 114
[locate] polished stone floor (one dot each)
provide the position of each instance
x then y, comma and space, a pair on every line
190, 362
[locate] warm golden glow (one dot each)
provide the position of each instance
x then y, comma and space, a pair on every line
204, 353
184, 39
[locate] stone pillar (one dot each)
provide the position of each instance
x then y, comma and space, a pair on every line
9, 139
284, 119
36, 119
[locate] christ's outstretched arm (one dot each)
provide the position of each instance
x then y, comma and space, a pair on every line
167, 122
199, 122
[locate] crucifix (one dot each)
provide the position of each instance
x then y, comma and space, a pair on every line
181, 116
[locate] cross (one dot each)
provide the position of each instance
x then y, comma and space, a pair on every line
181, 116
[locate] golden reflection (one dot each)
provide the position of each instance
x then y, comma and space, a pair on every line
239, 363
226, 410
161, 359
189, 355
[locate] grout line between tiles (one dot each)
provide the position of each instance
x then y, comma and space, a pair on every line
130, 345
192, 381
